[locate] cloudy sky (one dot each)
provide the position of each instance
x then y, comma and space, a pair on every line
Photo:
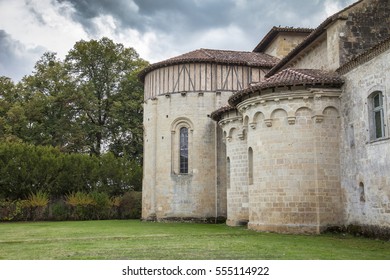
157, 29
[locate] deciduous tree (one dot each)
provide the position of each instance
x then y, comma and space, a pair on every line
109, 95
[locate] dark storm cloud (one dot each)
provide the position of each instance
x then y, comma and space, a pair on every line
121, 10
186, 18
16, 60
165, 28
192, 14
149, 15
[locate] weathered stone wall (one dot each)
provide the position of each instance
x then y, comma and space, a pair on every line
284, 43
365, 163
294, 136
176, 195
221, 175
236, 153
366, 24
310, 60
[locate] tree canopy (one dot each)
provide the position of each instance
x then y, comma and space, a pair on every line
90, 102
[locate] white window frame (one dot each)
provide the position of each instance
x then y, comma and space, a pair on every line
377, 113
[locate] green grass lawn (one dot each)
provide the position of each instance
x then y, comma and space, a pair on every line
135, 240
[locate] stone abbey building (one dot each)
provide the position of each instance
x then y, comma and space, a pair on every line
291, 137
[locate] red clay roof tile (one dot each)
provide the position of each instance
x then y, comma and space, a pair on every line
291, 77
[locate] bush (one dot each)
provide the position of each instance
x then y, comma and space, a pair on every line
131, 205
38, 203
59, 211
16, 210
28, 169
81, 204
101, 208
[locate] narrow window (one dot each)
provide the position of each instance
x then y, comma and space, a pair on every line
184, 150
361, 192
250, 166
228, 172
377, 115
351, 136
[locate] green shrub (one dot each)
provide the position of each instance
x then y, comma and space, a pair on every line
115, 204
38, 204
81, 204
60, 211
101, 209
28, 169
16, 210
131, 205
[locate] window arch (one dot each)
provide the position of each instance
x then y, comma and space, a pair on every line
377, 115
181, 142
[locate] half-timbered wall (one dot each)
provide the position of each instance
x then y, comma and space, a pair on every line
202, 77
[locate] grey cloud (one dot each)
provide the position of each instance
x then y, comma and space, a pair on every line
184, 19
15, 59
87, 10
147, 15
177, 25
37, 15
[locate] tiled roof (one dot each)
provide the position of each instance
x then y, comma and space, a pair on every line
217, 114
274, 31
364, 57
309, 39
291, 77
216, 56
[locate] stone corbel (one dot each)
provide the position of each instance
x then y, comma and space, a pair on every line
318, 118
268, 122
241, 136
253, 125
291, 120
229, 138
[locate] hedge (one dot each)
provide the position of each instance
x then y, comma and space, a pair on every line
27, 169
75, 206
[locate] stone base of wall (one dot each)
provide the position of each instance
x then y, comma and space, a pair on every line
236, 223
370, 231
150, 218
291, 229
208, 220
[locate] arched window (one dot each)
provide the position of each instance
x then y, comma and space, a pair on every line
181, 146
184, 150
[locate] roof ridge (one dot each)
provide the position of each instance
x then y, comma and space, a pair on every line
275, 30
235, 51
247, 58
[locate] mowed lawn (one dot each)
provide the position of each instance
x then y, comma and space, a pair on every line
135, 240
